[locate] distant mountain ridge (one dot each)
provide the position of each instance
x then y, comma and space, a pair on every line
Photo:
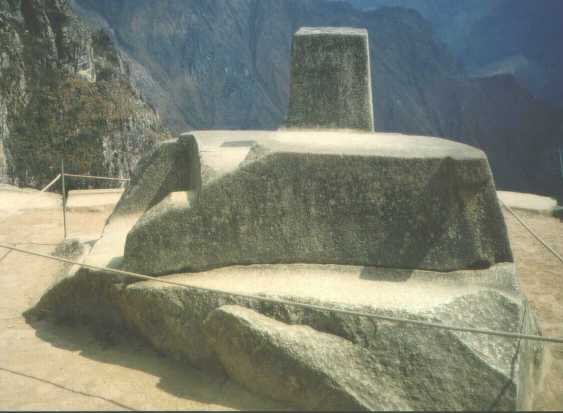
519, 37
225, 64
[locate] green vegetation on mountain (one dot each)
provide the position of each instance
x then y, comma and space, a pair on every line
64, 89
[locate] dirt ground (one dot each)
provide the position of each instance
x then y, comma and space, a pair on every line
541, 279
53, 367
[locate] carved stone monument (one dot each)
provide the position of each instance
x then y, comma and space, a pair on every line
330, 79
333, 197
393, 225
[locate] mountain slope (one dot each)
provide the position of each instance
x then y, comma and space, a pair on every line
65, 89
225, 64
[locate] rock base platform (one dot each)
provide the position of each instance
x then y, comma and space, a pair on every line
422, 368
404, 187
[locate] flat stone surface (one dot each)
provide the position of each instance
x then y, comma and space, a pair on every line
528, 202
332, 197
93, 198
14, 200
387, 288
336, 142
330, 79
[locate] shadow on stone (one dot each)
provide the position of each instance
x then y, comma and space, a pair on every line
121, 347
391, 275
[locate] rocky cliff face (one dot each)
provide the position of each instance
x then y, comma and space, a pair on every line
65, 88
225, 64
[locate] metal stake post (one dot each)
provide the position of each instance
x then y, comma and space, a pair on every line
64, 194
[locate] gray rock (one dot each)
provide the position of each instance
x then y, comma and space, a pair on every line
222, 152
330, 79
83, 295
173, 166
167, 178
297, 364
334, 198
422, 368
427, 369
69, 248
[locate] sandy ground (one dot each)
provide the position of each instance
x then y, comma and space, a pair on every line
541, 278
53, 367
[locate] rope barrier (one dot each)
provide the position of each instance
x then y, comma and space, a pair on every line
420, 323
98, 177
5, 255
50, 184
531, 231
297, 304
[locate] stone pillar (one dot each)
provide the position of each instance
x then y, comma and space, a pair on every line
330, 79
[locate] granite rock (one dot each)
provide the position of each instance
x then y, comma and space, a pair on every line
334, 198
423, 368
173, 166
330, 79
299, 365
